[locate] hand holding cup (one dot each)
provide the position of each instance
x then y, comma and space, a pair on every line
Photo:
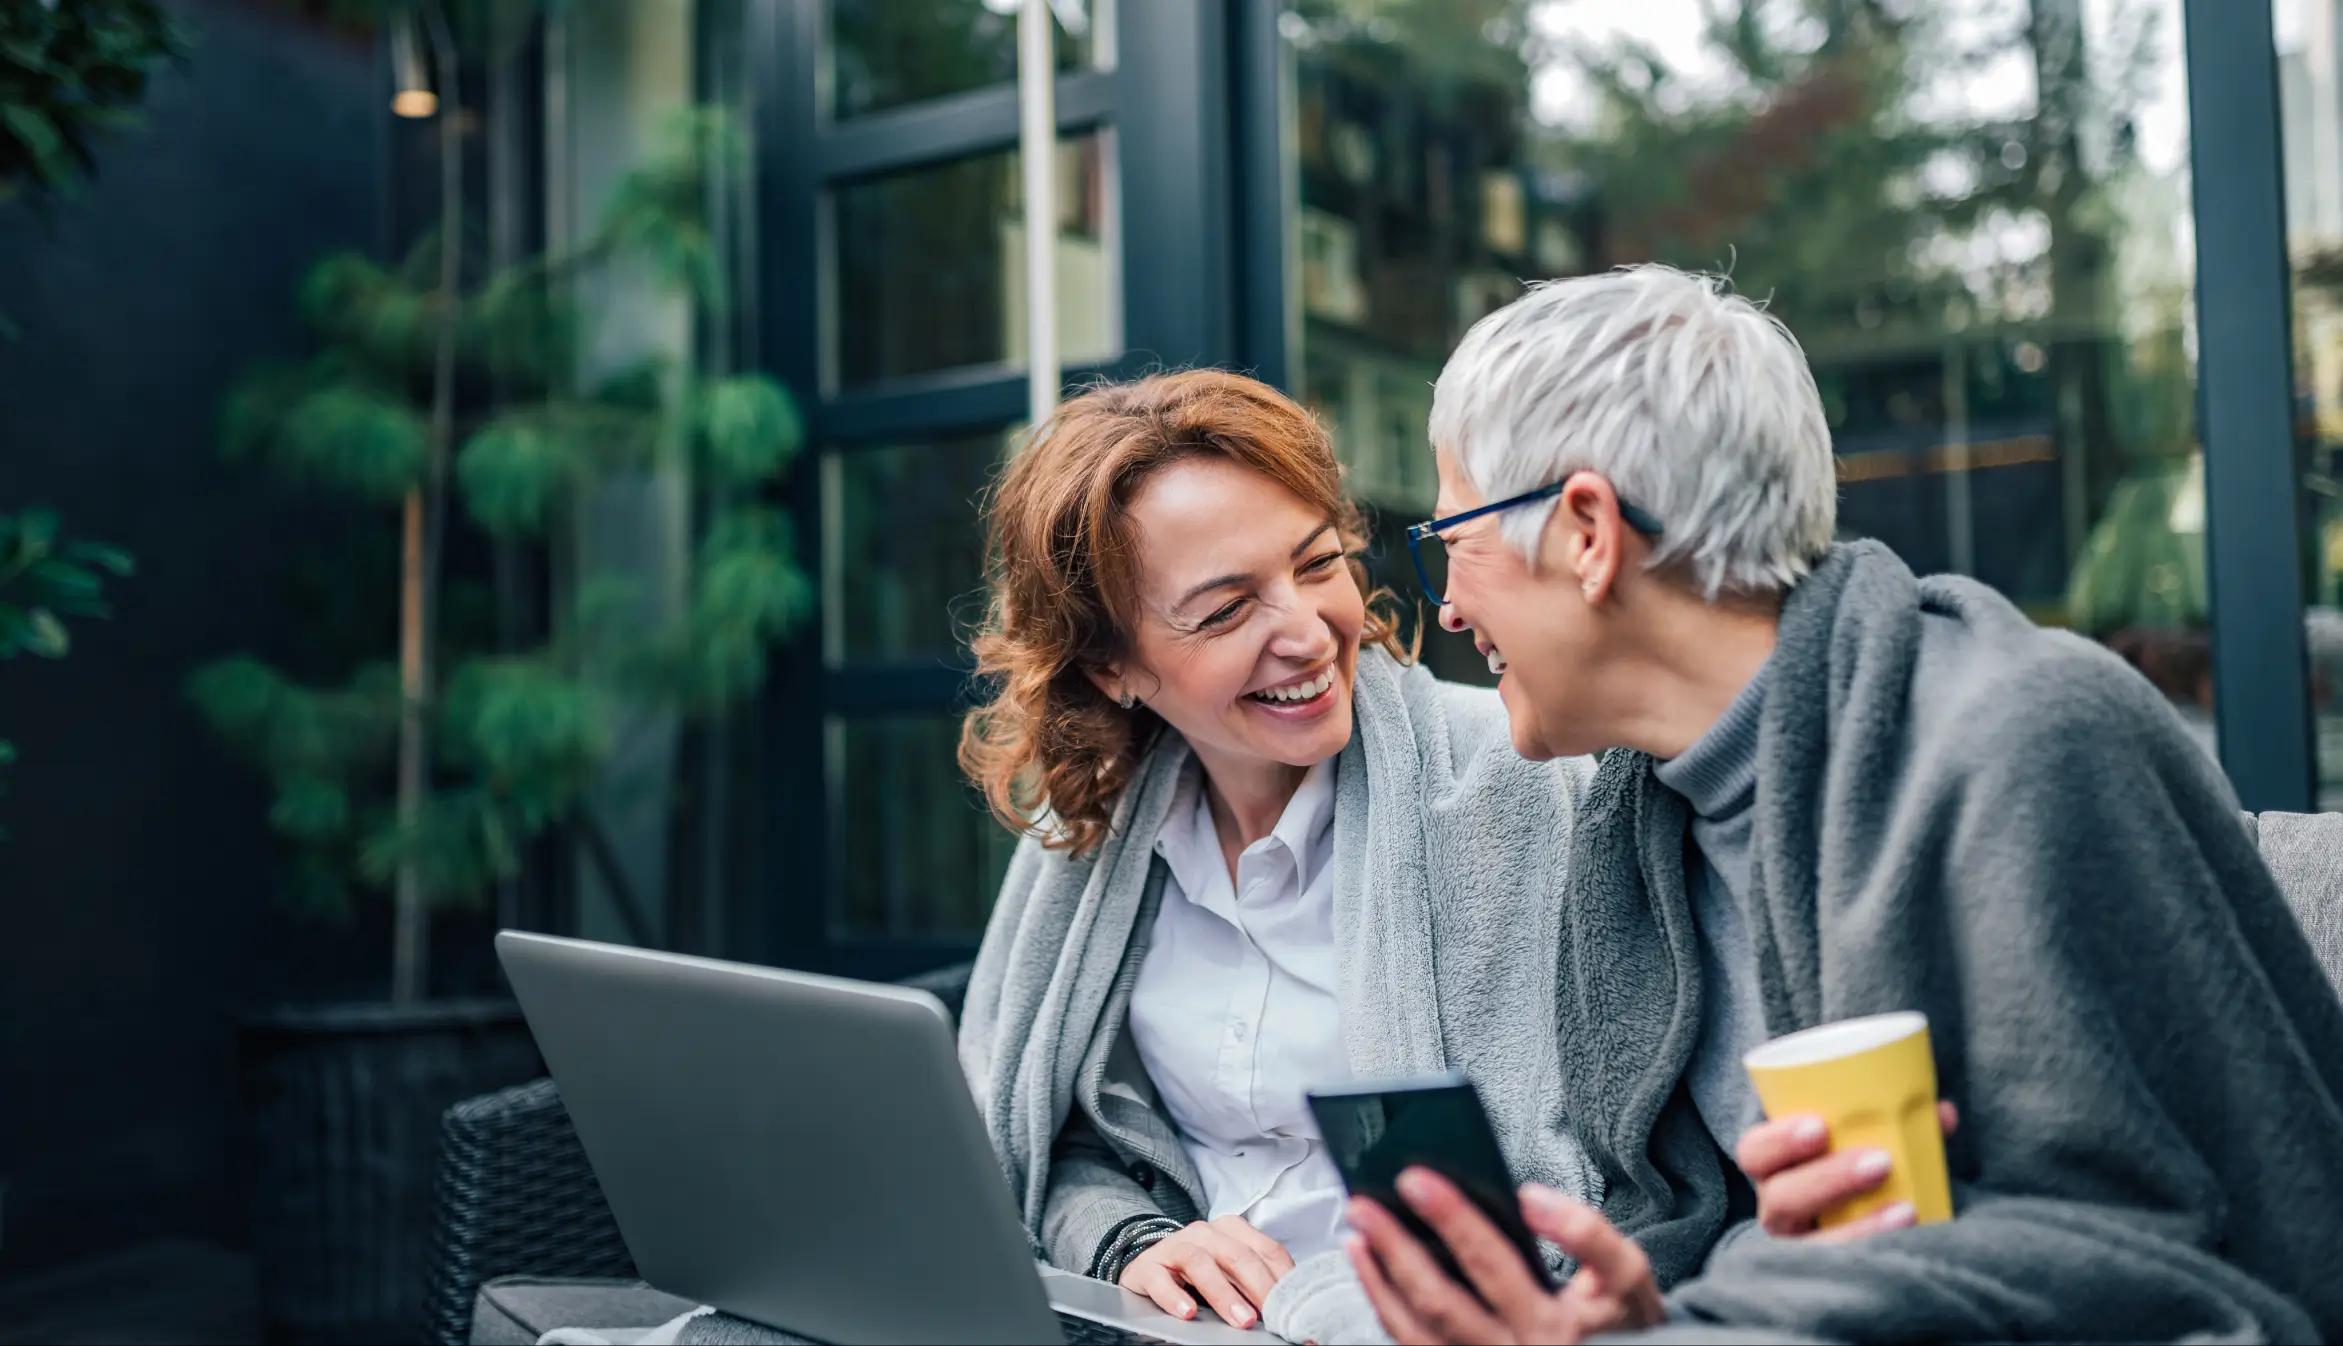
1855, 1140
1799, 1176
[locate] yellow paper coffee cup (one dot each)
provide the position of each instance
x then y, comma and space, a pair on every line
1873, 1082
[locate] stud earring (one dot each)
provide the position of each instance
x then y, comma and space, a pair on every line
1125, 700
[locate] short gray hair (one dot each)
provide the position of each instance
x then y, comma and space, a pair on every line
1696, 404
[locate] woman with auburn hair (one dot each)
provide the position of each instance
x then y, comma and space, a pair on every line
1262, 853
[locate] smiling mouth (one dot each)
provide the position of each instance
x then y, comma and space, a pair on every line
1495, 656
1296, 693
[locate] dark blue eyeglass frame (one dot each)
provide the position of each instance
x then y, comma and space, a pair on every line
1638, 519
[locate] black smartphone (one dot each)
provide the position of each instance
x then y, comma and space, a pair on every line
1377, 1129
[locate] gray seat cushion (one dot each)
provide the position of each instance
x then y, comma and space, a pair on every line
516, 1310
2305, 852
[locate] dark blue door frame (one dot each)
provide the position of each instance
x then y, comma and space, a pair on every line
2245, 381
2254, 504
1168, 109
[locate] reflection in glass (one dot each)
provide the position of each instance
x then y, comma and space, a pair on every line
886, 53
930, 265
1974, 214
915, 853
902, 545
2310, 88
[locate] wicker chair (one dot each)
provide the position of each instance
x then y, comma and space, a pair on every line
515, 1194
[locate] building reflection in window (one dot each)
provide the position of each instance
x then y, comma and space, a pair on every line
1974, 214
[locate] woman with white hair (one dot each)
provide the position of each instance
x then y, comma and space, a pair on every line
1831, 789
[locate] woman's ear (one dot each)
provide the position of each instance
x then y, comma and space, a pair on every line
1109, 680
1586, 534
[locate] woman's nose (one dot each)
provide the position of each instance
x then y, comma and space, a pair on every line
1451, 620
1303, 635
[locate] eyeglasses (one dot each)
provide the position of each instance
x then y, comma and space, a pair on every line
1430, 552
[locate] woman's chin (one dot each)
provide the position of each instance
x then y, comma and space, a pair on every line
1302, 735
1520, 717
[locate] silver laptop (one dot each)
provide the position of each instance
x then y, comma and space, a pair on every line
802, 1151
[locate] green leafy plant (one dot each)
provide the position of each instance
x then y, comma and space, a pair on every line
45, 579
430, 776
71, 70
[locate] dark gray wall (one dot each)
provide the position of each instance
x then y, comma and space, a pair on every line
134, 911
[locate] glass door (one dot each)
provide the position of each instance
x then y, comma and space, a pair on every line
893, 276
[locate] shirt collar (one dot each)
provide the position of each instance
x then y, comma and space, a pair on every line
1190, 844
1187, 843
1307, 815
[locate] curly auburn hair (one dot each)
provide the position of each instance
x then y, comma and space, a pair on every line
1061, 567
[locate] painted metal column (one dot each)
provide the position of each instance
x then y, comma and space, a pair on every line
2253, 502
1037, 152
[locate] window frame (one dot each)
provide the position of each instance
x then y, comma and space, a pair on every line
2255, 534
1168, 111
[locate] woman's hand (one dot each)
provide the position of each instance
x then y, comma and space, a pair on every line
1226, 1262
1613, 1290
1798, 1178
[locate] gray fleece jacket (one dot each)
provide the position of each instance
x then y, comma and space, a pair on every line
1448, 858
2006, 828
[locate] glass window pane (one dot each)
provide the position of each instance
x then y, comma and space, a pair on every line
931, 265
902, 548
1975, 215
916, 853
886, 53
2310, 87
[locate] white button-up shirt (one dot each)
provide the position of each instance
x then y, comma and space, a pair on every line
1234, 1014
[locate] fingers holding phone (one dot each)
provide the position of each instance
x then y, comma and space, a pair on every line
1497, 1299
1376, 1132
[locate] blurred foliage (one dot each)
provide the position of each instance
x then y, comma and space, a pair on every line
2138, 570
519, 737
886, 53
44, 579
1833, 161
658, 211
746, 593
1859, 167
1824, 163
71, 70
1821, 151
1449, 53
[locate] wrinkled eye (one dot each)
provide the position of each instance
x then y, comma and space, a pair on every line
1221, 617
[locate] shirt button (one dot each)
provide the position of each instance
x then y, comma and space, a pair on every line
1238, 1032
1143, 1175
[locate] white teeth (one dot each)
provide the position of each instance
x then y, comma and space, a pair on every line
1302, 691
1497, 663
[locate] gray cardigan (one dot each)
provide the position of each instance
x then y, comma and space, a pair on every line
1448, 857
2006, 828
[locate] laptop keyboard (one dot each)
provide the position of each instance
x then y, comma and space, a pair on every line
1088, 1332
